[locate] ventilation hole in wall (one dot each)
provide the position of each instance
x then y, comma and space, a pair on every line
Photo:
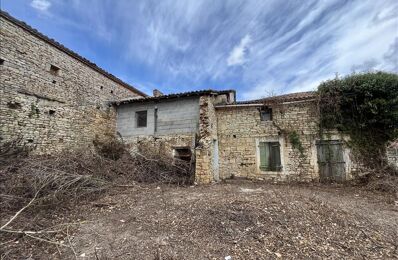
14, 105
111, 91
234, 136
54, 69
54, 81
182, 153
51, 112
1, 61
30, 140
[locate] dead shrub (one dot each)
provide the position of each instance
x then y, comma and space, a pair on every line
13, 150
70, 176
110, 147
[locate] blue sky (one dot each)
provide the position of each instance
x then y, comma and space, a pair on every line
257, 47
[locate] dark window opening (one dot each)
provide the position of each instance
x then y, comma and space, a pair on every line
30, 140
183, 153
156, 119
270, 156
101, 87
234, 136
51, 112
266, 114
141, 117
1, 61
54, 81
54, 69
111, 91
14, 105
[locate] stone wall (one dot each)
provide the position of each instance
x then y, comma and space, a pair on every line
206, 169
52, 110
240, 130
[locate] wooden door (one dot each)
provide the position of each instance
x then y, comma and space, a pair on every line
331, 161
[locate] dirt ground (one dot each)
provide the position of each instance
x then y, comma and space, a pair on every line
240, 219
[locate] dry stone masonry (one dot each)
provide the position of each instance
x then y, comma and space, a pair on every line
54, 99
50, 97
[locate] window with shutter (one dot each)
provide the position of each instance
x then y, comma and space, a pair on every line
270, 158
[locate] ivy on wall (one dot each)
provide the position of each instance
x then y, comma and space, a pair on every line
364, 106
294, 139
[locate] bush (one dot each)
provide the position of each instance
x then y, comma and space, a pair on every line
364, 106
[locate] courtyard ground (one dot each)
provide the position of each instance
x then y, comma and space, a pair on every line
240, 219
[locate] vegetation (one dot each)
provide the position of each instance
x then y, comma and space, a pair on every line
364, 106
294, 139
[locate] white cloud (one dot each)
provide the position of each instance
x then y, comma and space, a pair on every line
237, 55
41, 5
253, 46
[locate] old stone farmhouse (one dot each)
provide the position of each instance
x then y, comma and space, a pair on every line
54, 99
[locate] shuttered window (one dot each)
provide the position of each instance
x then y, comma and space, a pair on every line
270, 156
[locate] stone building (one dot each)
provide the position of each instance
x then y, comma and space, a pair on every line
274, 138
183, 125
54, 99
51, 97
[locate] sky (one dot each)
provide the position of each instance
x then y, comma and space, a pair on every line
258, 48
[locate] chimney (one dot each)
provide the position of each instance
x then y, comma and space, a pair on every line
157, 93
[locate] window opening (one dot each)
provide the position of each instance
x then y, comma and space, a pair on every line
270, 158
141, 117
266, 114
182, 153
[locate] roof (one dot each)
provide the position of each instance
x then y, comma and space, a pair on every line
299, 96
71, 53
173, 96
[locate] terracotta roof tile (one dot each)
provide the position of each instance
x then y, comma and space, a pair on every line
174, 95
282, 98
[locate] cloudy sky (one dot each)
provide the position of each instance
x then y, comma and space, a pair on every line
256, 47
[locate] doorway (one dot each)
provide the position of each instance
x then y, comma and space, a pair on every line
331, 161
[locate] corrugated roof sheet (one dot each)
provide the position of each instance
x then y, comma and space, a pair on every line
71, 53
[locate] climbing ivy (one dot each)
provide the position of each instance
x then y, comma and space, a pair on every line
364, 106
34, 110
294, 139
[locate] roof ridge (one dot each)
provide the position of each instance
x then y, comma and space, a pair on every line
68, 51
289, 96
174, 95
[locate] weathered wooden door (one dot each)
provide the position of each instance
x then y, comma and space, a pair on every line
331, 161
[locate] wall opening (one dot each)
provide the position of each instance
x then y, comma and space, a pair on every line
1, 61
182, 153
156, 120
14, 105
54, 69
141, 118
270, 156
266, 114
